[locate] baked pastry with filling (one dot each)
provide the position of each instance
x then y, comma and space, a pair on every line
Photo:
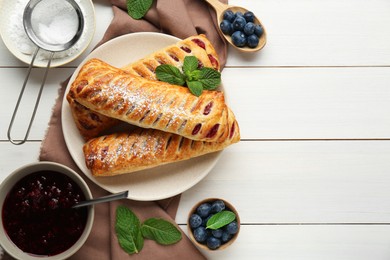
141, 149
151, 104
91, 123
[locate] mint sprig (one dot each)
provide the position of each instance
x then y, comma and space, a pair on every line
196, 79
170, 74
131, 233
220, 219
128, 230
138, 8
161, 231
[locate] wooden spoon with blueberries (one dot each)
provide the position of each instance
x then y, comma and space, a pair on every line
239, 26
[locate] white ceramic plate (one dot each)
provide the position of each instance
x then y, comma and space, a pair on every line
152, 184
17, 42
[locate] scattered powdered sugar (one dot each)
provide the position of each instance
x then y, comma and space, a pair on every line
58, 25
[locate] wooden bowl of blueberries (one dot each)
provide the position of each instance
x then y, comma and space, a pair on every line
240, 27
213, 224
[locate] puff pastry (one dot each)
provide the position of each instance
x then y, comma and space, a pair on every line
90, 123
151, 104
146, 148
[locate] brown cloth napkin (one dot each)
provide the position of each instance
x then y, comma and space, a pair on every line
181, 18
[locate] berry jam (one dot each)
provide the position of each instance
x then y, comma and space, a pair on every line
38, 216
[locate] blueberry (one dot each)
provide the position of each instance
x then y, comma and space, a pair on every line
249, 28
204, 221
249, 16
239, 23
217, 233
239, 39
204, 210
239, 14
217, 206
232, 228
225, 236
226, 27
229, 15
200, 234
195, 221
258, 30
213, 243
252, 41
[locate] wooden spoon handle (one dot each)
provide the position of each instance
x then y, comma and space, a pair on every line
218, 6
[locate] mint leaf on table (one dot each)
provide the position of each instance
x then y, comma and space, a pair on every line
138, 8
128, 230
220, 219
170, 74
161, 231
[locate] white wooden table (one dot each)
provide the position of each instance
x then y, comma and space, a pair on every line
311, 175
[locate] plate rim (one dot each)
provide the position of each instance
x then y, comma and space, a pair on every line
65, 109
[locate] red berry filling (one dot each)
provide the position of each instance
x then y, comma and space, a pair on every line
213, 61
196, 129
186, 49
199, 43
174, 57
207, 108
213, 131
232, 130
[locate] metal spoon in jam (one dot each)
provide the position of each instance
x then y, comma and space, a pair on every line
221, 8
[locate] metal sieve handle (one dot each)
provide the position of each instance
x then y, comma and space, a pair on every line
21, 95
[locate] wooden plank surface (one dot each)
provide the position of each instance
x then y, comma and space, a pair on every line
319, 242
300, 182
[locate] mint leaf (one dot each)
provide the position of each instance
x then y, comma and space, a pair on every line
161, 231
210, 78
195, 87
190, 64
170, 74
220, 219
138, 8
128, 230
196, 79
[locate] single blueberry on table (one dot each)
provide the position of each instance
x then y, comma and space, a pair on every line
239, 23
226, 27
204, 210
239, 39
217, 233
229, 15
249, 16
200, 234
232, 228
213, 243
225, 236
252, 41
195, 221
249, 28
258, 30
217, 206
